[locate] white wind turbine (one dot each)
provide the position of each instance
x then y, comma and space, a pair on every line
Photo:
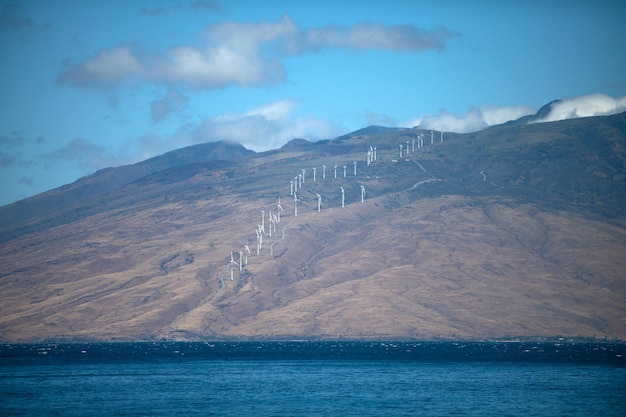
279, 208
413, 146
362, 193
324, 172
271, 220
261, 233
290, 187
369, 157
431, 137
374, 153
442, 136
400, 150
263, 221
240, 260
319, 202
343, 194
314, 171
300, 181
355, 168
303, 171
295, 205
247, 252
407, 147
344, 170
258, 242
232, 262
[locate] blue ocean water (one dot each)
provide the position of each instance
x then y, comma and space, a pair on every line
313, 379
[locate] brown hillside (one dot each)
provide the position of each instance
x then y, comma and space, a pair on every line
516, 231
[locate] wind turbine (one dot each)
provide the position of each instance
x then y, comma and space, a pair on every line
431, 137
295, 205
342, 196
271, 224
344, 170
335, 170
300, 181
291, 187
314, 170
355, 168
232, 262
324, 172
413, 146
407, 147
247, 252
362, 193
400, 150
442, 136
303, 171
369, 157
240, 260
258, 242
319, 202
374, 153
263, 221
279, 208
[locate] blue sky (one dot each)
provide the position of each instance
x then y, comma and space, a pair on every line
91, 84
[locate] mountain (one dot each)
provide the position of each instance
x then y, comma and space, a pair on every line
54, 205
518, 230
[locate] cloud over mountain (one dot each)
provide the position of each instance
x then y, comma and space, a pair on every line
478, 118
584, 106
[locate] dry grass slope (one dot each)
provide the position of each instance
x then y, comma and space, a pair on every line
466, 239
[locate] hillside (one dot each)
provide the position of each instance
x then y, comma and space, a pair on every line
514, 231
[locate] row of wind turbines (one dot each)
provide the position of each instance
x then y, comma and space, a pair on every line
296, 185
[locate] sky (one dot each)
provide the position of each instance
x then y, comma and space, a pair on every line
87, 85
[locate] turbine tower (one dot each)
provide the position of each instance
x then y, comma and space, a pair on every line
442, 136
279, 208
303, 171
263, 221
295, 205
324, 172
319, 202
342, 196
344, 170
431, 137
355, 168
314, 170
413, 146
335, 171
374, 153
407, 147
291, 187
247, 252
232, 262
400, 150
240, 260
362, 193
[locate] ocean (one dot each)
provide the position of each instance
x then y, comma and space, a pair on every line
299, 378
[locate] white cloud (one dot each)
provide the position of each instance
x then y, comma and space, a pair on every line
475, 119
240, 53
266, 127
585, 106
